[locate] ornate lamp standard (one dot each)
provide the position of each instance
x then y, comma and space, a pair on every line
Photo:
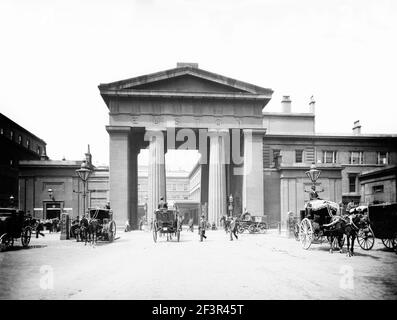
313, 174
84, 173
11, 201
51, 194
230, 205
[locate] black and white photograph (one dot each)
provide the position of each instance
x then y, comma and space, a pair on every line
202, 151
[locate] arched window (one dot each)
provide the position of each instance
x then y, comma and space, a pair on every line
20, 139
38, 150
27, 143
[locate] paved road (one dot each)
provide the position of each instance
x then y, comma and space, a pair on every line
256, 266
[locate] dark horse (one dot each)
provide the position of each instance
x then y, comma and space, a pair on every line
93, 228
348, 225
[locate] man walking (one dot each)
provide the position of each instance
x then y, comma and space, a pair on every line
39, 228
202, 226
233, 228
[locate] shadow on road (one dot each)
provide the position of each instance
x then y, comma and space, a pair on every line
16, 248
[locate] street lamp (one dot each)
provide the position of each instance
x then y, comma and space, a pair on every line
230, 205
313, 174
51, 194
11, 201
146, 199
84, 173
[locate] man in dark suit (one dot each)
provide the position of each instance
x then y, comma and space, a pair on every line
202, 226
233, 228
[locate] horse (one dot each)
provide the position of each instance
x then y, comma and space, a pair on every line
335, 230
84, 223
93, 228
356, 222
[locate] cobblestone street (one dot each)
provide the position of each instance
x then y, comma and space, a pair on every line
256, 266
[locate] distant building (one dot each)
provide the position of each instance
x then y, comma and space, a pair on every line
16, 143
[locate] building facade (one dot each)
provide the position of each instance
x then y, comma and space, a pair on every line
16, 143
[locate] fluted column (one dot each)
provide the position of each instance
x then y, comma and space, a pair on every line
216, 177
156, 178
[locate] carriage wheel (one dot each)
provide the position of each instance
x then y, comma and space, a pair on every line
25, 236
252, 228
366, 239
262, 228
389, 243
4, 242
240, 229
112, 231
306, 233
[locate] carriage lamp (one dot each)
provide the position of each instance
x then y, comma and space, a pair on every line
51, 194
313, 173
84, 173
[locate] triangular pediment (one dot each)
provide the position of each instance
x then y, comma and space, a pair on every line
187, 83
184, 80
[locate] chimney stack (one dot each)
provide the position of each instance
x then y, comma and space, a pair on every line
312, 105
286, 104
88, 157
357, 127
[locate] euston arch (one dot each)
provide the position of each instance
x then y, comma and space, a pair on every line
186, 107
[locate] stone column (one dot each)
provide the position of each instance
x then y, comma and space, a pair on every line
216, 177
156, 172
134, 151
253, 197
119, 173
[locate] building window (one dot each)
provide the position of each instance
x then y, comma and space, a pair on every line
377, 189
20, 139
1, 131
27, 143
329, 156
38, 150
12, 135
356, 157
298, 156
383, 158
352, 182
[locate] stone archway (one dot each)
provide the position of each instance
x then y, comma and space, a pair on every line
186, 107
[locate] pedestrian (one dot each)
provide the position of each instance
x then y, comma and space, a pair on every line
233, 228
127, 226
202, 227
191, 226
39, 228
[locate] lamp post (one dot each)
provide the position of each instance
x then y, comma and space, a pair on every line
313, 174
84, 173
231, 205
51, 194
146, 199
11, 201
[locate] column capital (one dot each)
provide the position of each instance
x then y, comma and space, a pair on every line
118, 129
254, 131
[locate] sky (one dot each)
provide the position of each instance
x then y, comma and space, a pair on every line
54, 54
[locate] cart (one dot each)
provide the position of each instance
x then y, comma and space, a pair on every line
254, 224
107, 229
383, 224
167, 221
317, 214
14, 225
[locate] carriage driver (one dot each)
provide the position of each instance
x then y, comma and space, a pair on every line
313, 194
162, 204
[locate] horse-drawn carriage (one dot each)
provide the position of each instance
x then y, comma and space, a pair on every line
14, 225
106, 226
166, 221
254, 224
315, 220
382, 225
